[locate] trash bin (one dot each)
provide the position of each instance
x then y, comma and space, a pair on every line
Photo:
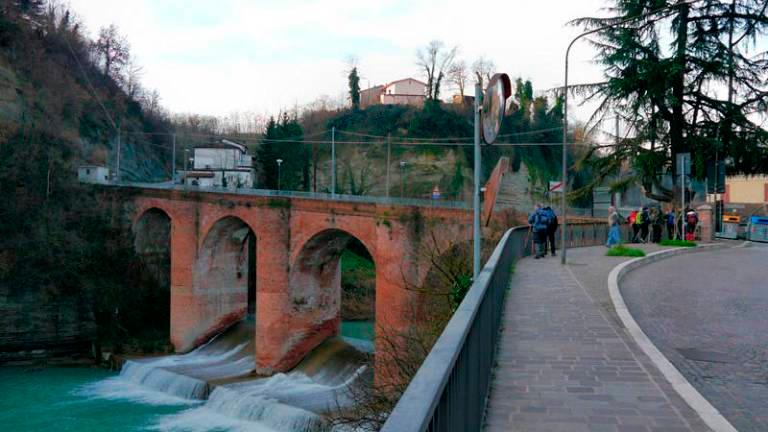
758, 229
730, 227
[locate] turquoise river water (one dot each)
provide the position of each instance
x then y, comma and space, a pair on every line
95, 400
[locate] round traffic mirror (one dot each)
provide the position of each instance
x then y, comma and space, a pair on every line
494, 104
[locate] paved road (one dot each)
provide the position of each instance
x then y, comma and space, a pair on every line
565, 365
708, 313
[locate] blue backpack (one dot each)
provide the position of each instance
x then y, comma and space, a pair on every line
543, 217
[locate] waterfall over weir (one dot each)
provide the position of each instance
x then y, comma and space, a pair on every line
216, 378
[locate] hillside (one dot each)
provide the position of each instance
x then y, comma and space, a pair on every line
64, 255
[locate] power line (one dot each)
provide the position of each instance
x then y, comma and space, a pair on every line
90, 85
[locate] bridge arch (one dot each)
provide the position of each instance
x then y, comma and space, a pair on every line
315, 278
224, 275
152, 243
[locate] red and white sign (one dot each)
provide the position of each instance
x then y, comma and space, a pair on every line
555, 186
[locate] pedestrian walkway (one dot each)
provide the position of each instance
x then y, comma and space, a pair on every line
565, 364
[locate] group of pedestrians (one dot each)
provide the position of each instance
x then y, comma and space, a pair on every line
544, 223
648, 225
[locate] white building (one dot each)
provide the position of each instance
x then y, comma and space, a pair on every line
93, 174
407, 91
224, 164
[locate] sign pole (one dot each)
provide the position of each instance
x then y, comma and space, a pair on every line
333, 160
476, 193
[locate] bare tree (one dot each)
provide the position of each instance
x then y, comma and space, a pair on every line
133, 73
458, 73
150, 103
483, 68
435, 60
112, 51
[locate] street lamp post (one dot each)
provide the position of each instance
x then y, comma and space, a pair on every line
564, 228
279, 162
402, 178
186, 161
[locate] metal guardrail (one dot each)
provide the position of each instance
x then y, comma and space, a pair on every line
297, 194
450, 389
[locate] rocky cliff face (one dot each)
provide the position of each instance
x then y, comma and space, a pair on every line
35, 324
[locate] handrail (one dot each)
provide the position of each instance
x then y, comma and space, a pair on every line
420, 202
450, 389
493, 187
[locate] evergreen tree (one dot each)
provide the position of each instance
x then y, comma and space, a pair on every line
283, 140
701, 94
354, 88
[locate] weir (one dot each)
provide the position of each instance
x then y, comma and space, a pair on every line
218, 375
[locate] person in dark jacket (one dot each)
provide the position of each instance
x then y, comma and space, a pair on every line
551, 230
671, 223
539, 223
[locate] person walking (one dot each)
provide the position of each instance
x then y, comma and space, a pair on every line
657, 224
614, 231
551, 230
632, 221
644, 224
539, 224
692, 220
671, 223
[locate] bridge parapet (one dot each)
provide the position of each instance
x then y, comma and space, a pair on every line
450, 389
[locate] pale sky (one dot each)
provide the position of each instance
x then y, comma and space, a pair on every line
218, 57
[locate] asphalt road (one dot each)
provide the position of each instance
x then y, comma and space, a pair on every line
708, 313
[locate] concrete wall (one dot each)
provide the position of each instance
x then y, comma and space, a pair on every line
298, 243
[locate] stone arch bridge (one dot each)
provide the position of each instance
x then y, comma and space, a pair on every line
293, 272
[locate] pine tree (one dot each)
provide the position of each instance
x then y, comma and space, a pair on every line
700, 94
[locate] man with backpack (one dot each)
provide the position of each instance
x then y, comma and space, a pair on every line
539, 222
551, 230
671, 223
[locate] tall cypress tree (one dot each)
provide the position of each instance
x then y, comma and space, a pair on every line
354, 88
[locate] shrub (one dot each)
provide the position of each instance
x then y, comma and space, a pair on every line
623, 251
678, 243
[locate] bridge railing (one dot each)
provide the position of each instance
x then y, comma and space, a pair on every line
420, 202
450, 389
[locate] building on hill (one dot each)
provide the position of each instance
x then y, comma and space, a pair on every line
407, 91
223, 163
93, 174
465, 100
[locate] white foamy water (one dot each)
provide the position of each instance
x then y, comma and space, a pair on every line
282, 403
285, 402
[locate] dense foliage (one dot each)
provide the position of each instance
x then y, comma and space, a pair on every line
683, 77
61, 240
283, 141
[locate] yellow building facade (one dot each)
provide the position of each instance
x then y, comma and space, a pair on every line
746, 190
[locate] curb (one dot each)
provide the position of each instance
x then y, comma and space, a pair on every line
708, 413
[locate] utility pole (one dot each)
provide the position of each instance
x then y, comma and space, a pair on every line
388, 155
476, 238
186, 162
333, 160
173, 159
618, 140
117, 173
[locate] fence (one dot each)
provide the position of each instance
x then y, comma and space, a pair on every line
449, 391
307, 195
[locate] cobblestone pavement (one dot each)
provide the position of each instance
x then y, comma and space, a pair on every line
564, 364
708, 313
